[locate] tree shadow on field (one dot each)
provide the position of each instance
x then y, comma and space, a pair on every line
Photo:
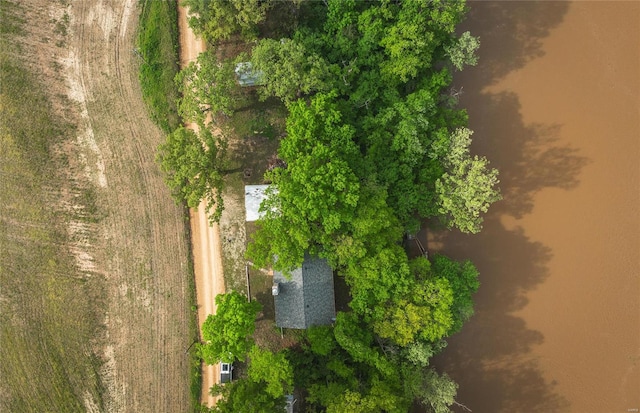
492, 358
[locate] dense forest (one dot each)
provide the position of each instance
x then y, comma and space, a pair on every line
375, 145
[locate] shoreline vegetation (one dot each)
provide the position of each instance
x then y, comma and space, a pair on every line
346, 87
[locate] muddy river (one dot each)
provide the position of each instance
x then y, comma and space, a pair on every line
555, 106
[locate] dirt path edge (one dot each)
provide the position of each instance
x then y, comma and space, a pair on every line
205, 238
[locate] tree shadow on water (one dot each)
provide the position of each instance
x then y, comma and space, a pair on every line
529, 157
493, 358
511, 32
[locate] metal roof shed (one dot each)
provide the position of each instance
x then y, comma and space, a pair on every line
247, 75
253, 197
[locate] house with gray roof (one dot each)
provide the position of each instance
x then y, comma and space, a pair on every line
307, 297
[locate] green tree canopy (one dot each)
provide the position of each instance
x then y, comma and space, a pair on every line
463, 279
288, 70
425, 314
194, 166
273, 369
462, 51
218, 20
317, 193
436, 392
208, 86
374, 145
468, 187
227, 333
245, 395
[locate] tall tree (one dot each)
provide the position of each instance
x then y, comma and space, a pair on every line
317, 193
246, 396
227, 333
463, 278
194, 166
208, 86
273, 369
288, 70
218, 20
436, 392
468, 187
462, 51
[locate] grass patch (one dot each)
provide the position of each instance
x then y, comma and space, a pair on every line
255, 136
49, 310
195, 362
11, 21
158, 48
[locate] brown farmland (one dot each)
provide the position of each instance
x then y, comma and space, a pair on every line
135, 252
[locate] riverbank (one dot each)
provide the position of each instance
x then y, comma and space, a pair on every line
554, 103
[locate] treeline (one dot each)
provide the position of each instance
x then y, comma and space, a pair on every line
374, 146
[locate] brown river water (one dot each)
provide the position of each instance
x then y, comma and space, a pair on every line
554, 102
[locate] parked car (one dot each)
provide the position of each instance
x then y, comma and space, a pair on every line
226, 372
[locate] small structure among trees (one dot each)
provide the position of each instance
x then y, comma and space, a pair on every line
247, 75
253, 197
306, 298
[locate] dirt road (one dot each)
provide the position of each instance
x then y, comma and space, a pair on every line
205, 238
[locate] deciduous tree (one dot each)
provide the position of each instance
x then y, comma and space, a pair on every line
194, 166
463, 278
218, 20
244, 395
436, 392
317, 193
208, 86
468, 187
227, 333
462, 51
273, 369
288, 70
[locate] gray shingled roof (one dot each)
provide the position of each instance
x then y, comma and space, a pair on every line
307, 298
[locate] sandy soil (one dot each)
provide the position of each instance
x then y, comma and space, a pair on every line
205, 238
139, 246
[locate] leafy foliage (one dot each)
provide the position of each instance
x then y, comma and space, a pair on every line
246, 396
462, 51
218, 20
194, 165
374, 145
468, 186
419, 353
436, 391
463, 279
227, 333
207, 86
321, 340
288, 70
317, 193
273, 369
